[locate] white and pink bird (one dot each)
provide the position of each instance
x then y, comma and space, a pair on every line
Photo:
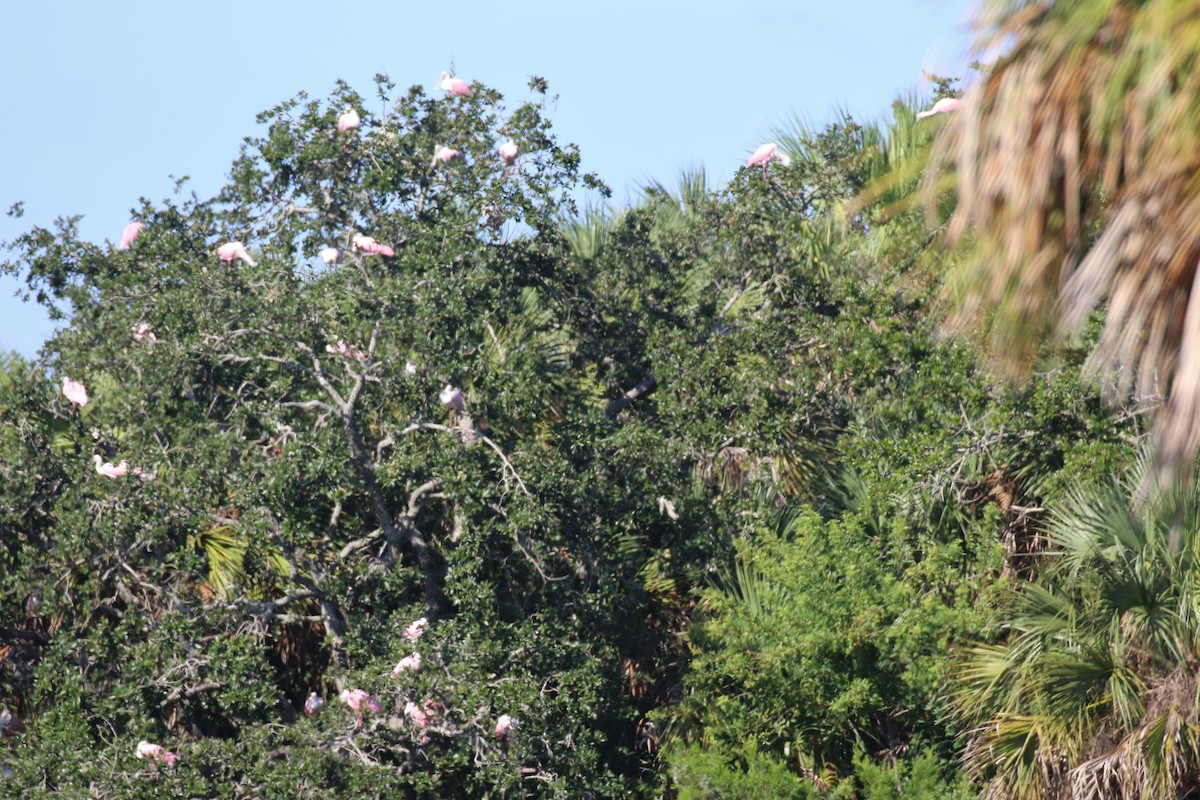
155, 753
503, 724
766, 153
75, 392
415, 629
330, 255
129, 234
509, 151
142, 331
943, 106
231, 250
348, 120
455, 86
414, 712
109, 469
371, 247
359, 700
313, 704
408, 664
347, 351
452, 398
444, 155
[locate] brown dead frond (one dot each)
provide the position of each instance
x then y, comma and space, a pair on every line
1077, 160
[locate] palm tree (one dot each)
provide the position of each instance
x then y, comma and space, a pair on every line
1093, 693
1077, 158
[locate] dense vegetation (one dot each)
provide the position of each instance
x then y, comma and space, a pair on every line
692, 493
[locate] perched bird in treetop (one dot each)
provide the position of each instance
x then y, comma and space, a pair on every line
408, 664
455, 86
313, 704
509, 151
231, 250
129, 234
360, 701
155, 753
142, 331
108, 469
766, 153
503, 723
943, 106
414, 712
75, 392
415, 629
348, 120
444, 155
371, 247
330, 255
452, 398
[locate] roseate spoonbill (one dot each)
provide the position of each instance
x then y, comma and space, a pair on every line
371, 247
360, 701
415, 629
943, 106
509, 151
348, 120
452, 398
503, 723
231, 250
766, 153
313, 704
145, 475
108, 469
455, 86
414, 712
444, 155
408, 664
142, 331
75, 392
330, 255
129, 234
155, 753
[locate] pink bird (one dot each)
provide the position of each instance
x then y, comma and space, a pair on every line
414, 712
455, 86
509, 151
444, 155
503, 723
129, 234
452, 398
313, 704
330, 255
767, 153
371, 247
145, 475
74, 391
347, 351
415, 629
360, 701
348, 120
943, 106
155, 753
142, 331
408, 664
231, 250
108, 469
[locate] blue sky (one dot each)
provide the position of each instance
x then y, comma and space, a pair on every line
107, 101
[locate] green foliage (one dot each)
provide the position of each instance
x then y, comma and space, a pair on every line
716, 515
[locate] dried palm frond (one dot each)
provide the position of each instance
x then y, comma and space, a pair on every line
1077, 159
